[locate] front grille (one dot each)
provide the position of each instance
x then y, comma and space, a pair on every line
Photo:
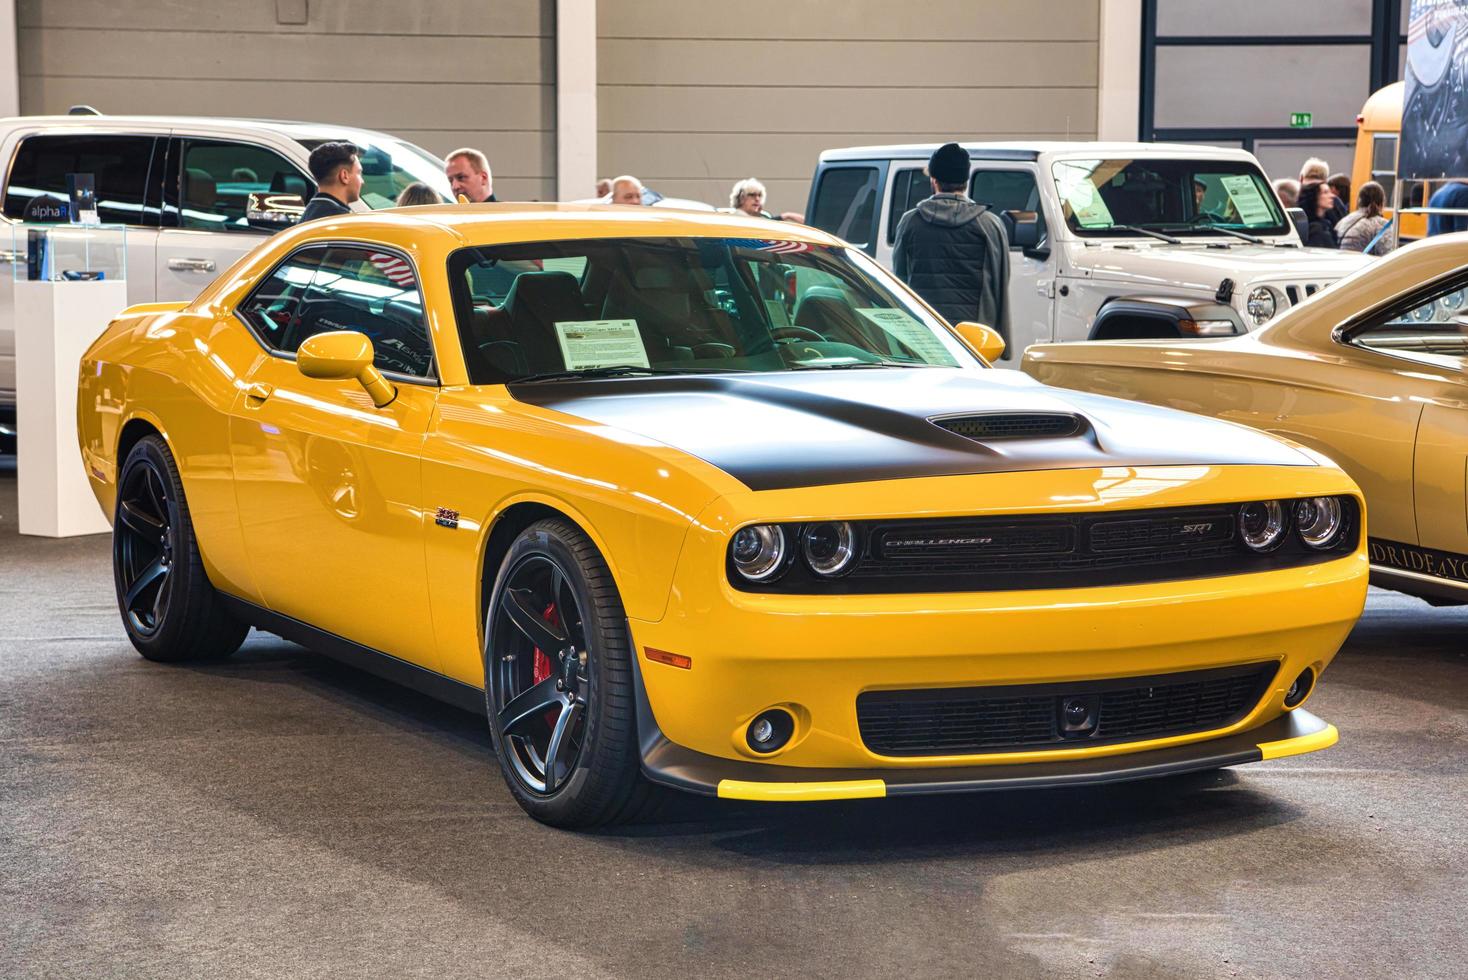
1012, 425
974, 720
1048, 551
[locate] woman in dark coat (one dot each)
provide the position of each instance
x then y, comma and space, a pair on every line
1317, 200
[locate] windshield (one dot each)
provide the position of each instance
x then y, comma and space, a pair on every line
389, 166
685, 305
1180, 197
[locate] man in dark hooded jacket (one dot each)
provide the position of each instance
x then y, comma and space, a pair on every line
952, 252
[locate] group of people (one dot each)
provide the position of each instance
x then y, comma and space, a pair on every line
337, 169
1329, 220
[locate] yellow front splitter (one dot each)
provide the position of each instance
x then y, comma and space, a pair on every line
1294, 733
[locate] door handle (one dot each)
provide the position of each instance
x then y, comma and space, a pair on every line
13, 257
191, 265
256, 394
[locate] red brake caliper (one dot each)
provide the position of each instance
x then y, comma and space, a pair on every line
543, 665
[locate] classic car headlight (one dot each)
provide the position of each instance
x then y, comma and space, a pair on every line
759, 551
1319, 521
1262, 524
1261, 305
830, 548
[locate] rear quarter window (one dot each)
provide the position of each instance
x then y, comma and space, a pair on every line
846, 204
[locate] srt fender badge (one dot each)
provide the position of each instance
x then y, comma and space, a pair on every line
446, 518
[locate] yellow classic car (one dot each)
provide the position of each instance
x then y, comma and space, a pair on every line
1370, 372
705, 502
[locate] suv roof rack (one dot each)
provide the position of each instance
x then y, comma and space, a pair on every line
82, 110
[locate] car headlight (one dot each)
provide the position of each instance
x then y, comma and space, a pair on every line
1319, 521
1261, 305
759, 551
1262, 525
829, 548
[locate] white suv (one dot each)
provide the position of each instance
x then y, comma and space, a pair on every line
181, 185
1108, 240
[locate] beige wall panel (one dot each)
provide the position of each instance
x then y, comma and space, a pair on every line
444, 73
500, 18
903, 64
373, 63
872, 114
1052, 20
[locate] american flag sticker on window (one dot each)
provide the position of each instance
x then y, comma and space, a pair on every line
770, 245
394, 267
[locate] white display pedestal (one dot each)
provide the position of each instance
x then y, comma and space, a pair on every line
55, 323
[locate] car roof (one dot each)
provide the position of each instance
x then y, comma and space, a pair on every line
291, 128
1032, 151
470, 224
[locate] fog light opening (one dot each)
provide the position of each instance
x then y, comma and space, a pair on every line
1300, 689
769, 730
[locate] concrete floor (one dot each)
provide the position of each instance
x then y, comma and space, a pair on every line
280, 815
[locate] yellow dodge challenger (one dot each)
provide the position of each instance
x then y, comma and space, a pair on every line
1372, 372
706, 502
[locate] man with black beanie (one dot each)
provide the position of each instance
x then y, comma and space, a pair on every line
952, 252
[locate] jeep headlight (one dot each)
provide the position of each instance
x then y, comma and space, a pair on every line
1261, 305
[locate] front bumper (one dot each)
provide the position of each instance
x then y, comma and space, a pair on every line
671, 765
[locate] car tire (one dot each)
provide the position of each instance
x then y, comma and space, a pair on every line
170, 610
557, 658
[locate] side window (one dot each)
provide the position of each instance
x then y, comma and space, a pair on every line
274, 306
846, 204
1012, 193
119, 165
908, 188
1433, 329
1384, 163
372, 291
214, 179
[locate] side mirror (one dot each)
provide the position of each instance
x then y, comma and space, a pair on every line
341, 355
1301, 223
982, 340
268, 211
1027, 233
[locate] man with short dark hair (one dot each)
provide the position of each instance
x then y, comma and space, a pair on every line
953, 252
337, 168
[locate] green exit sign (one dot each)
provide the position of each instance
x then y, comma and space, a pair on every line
1301, 120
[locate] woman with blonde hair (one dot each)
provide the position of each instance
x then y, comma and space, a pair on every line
749, 196
417, 193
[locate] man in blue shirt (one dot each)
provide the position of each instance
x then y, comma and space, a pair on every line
1453, 194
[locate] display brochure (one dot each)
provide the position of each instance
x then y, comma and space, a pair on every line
82, 189
600, 343
1247, 201
1074, 180
910, 333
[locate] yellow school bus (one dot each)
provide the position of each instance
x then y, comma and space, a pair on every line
1378, 131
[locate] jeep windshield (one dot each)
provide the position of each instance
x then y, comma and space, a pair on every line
389, 166
615, 307
1125, 197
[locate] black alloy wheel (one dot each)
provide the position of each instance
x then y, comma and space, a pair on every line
169, 609
142, 544
559, 685
544, 681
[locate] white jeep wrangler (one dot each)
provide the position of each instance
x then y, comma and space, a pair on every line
1108, 240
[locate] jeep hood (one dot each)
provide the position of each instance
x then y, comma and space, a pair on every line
817, 428
1204, 267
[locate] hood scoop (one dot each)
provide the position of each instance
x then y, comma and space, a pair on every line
987, 426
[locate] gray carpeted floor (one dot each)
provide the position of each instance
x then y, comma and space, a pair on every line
283, 816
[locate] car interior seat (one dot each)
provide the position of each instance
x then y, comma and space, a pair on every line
536, 302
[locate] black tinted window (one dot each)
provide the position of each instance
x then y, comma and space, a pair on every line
908, 188
118, 164
846, 204
215, 178
345, 288
1012, 193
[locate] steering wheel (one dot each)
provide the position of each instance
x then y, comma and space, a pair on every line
792, 333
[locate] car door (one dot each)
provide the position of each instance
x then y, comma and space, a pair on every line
329, 485
847, 202
1013, 194
206, 187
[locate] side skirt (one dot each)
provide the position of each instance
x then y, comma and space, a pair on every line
383, 665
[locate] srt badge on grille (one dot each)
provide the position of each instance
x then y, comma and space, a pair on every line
1197, 528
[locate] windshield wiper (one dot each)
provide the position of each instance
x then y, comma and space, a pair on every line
1145, 231
854, 365
617, 371
1210, 226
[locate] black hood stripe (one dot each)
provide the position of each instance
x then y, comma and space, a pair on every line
809, 428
